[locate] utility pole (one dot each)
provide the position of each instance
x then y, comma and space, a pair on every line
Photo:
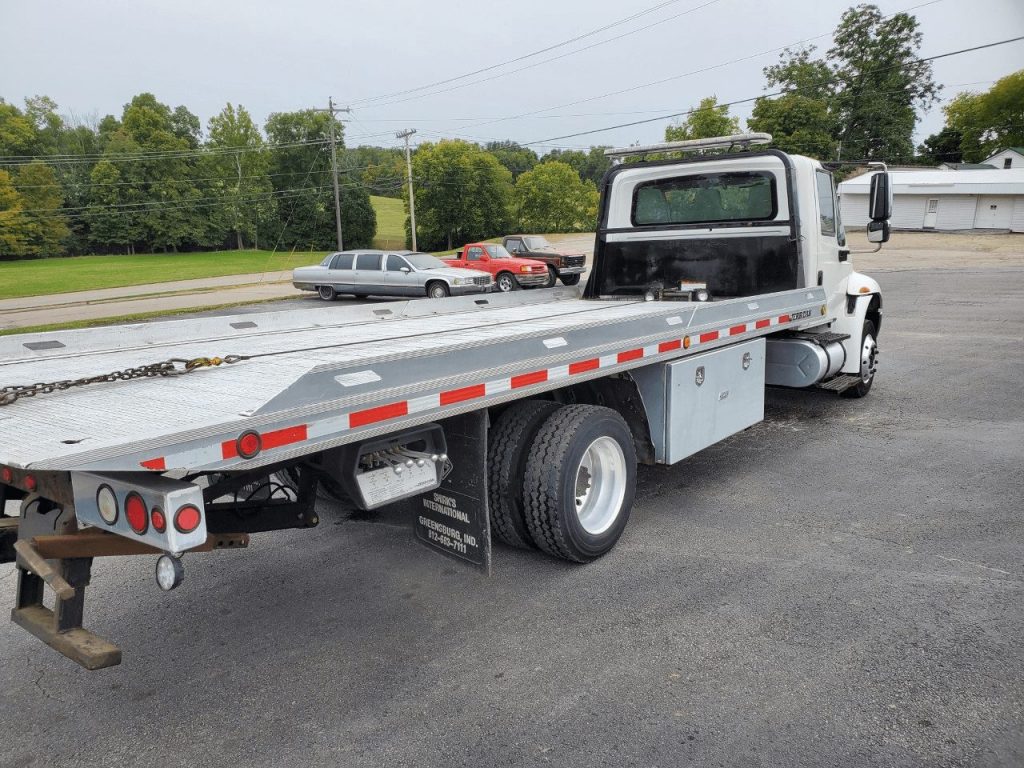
331, 110
412, 197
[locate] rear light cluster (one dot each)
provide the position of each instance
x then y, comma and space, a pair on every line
139, 517
26, 482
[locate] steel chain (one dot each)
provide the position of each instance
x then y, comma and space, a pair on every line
168, 367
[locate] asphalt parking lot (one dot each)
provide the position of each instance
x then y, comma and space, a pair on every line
840, 585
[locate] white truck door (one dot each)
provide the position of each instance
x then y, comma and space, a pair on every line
829, 239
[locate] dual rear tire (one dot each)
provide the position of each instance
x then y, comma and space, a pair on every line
562, 478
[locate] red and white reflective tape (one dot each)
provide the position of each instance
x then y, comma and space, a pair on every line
228, 450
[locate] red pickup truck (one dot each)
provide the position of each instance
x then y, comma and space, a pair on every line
510, 272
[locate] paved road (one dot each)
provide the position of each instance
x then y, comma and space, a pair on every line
842, 585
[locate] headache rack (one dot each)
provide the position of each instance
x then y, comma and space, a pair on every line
740, 140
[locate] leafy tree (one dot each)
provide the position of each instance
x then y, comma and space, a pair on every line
797, 71
246, 186
590, 165
13, 223
553, 198
518, 159
112, 224
882, 82
703, 122
17, 132
381, 170
990, 121
462, 194
797, 123
302, 181
45, 228
941, 147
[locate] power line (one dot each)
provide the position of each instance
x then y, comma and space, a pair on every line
548, 60
762, 96
154, 154
525, 56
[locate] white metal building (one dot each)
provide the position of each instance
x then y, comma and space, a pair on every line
943, 200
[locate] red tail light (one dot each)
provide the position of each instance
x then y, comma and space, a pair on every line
7, 475
187, 518
158, 519
135, 513
30, 482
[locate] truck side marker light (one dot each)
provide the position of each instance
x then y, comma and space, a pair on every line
824, 309
158, 519
865, 289
249, 444
686, 342
106, 503
135, 513
187, 518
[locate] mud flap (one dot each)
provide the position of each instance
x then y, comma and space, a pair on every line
454, 519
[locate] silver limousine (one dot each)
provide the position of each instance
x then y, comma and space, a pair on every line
383, 273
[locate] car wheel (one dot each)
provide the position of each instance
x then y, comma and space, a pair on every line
508, 444
868, 362
552, 277
506, 282
579, 482
327, 293
570, 279
438, 290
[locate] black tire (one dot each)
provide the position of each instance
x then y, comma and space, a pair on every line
508, 444
869, 364
438, 290
326, 292
570, 279
506, 282
550, 483
552, 277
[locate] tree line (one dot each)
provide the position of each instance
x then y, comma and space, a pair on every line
152, 179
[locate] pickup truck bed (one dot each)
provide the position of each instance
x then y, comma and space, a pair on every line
325, 377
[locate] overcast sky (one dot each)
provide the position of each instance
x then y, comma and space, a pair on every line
91, 57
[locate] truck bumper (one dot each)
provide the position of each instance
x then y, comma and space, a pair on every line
572, 271
532, 280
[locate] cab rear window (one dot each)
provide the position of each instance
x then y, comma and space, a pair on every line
706, 198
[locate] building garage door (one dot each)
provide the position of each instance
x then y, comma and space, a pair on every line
994, 212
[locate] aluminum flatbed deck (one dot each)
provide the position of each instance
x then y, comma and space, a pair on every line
315, 379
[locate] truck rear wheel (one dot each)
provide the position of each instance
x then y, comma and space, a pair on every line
570, 279
868, 362
579, 482
509, 443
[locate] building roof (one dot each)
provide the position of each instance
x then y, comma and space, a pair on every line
1018, 150
981, 182
966, 166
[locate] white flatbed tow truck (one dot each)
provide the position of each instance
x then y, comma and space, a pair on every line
519, 416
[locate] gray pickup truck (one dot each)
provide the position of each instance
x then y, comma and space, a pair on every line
567, 267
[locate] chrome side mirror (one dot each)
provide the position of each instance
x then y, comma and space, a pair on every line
878, 231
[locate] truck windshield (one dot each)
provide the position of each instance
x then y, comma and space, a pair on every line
536, 243
497, 251
424, 261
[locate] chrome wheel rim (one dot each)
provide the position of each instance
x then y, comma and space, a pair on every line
600, 485
868, 358
436, 292
504, 283
326, 292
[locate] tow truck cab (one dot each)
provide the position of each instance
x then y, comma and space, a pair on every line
739, 224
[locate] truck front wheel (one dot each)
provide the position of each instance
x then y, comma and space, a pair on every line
868, 362
579, 482
570, 279
506, 282
438, 290
509, 443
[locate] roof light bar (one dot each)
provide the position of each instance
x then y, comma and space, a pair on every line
743, 140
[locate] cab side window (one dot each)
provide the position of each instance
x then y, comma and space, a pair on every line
395, 263
475, 253
826, 203
514, 246
368, 261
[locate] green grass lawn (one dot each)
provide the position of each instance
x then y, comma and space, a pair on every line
37, 277
390, 222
